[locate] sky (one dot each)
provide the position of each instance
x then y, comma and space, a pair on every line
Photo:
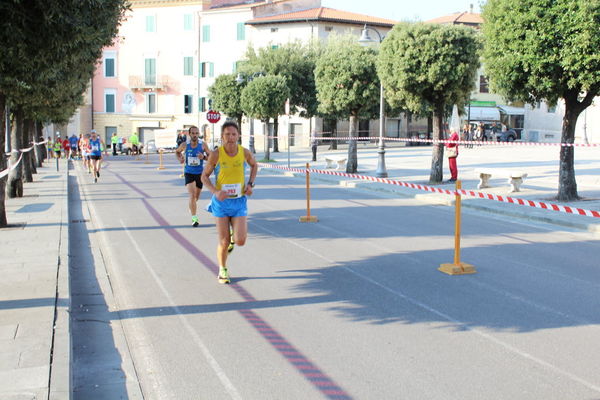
402, 10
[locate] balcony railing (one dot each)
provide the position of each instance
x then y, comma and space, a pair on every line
148, 82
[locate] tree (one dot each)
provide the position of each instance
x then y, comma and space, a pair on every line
226, 96
429, 67
264, 98
294, 61
348, 86
546, 50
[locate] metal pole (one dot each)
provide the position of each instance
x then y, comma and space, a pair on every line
289, 141
381, 171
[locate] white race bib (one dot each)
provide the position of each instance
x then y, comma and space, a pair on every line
193, 161
232, 189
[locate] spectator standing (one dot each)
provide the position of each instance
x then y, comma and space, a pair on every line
114, 141
314, 144
452, 153
135, 143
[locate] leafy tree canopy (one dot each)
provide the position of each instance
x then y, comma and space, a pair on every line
542, 49
265, 96
426, 65
296, 62
226, 95
346, 80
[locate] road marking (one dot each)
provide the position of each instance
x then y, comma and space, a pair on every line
231, 390
437, 312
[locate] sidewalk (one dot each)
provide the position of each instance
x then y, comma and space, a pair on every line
413, 164
34, 290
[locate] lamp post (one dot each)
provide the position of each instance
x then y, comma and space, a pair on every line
241, 79
381, 171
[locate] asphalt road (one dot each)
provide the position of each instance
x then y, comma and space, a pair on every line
350, 307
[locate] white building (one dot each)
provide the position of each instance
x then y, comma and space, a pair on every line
543, 123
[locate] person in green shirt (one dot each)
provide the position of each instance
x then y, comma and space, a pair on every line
135, 143
57, 147
114, 141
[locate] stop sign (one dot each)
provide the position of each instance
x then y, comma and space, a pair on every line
213, 116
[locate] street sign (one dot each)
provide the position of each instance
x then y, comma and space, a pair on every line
213, 116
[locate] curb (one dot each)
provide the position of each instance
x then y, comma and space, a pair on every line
60, 357
582, 223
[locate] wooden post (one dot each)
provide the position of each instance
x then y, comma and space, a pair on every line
160, 156
308, 217
457, 267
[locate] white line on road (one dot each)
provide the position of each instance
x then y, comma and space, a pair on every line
439, 313
231, 390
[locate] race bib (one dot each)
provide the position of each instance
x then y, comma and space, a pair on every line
193, 161
232, 189
95, 147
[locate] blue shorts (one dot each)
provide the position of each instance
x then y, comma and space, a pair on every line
229, 207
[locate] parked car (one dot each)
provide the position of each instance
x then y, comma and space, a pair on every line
418, 135
509, 135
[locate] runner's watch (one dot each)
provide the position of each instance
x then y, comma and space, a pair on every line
251, 184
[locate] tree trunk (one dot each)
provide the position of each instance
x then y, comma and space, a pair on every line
334, 142
352, 164
275, 135
567, 185
40, 150
3, 165
15, 177
437, 151
267, 134
29, 165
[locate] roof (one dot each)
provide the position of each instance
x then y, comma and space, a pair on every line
233, 3
323, 14
459, 18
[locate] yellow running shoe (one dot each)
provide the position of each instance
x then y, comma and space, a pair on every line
223, 275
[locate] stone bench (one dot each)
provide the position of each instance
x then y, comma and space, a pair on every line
515, 178
335, 162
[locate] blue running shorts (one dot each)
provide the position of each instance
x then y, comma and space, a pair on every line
229, 207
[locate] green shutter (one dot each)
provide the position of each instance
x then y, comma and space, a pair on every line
188, 22
188, 66
241, 31
211, 71
150, 71
110, 103
109, 67
206, 33
202, 104
150, 24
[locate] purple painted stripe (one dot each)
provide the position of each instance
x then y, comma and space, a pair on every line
133, 187
325, 384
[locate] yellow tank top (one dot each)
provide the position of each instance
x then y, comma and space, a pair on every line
230, 172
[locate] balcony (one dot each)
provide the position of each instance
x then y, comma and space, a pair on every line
148, 83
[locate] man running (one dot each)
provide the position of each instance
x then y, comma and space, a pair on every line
95, 148
195, 153
228, 203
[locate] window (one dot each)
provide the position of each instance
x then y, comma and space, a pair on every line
328, 28
109, 100
206, 33
109, 64
483, 84
150, 103
150, 23
188, 66
551, 109
188, 22
150, 71
273, 30
202, 104
241, 31
207, 69
187, 104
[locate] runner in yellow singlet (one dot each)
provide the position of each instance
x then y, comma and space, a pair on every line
228, 203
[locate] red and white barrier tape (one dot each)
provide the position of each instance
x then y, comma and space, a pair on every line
504, 199
10, 167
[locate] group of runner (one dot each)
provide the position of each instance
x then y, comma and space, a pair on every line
229, 202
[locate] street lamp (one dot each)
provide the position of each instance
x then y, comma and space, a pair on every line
366, 40
241, 79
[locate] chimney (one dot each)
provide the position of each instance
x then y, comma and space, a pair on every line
471, 8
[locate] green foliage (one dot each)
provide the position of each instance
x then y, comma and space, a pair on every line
264, 97
542, 49
50, 49
346, 80
424, 66
226, 96
296, 62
